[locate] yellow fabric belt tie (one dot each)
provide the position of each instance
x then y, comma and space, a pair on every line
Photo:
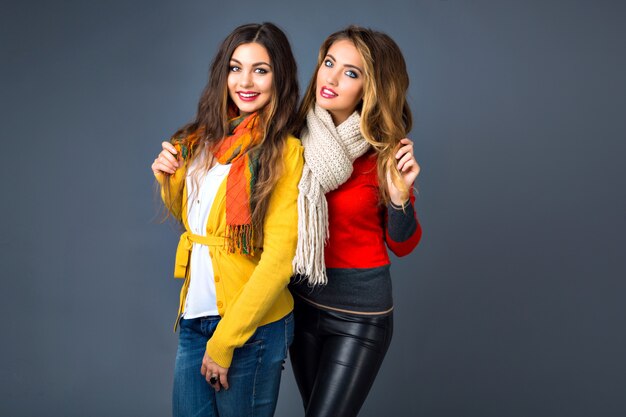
183, 251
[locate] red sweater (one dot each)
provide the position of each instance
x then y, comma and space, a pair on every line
361, 229
358, 222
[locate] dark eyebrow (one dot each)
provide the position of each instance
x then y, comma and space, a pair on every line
346, 65
256, 64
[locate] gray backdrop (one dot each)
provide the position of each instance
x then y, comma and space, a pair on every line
511, 305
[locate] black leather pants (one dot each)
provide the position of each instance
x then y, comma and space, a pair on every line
335, 358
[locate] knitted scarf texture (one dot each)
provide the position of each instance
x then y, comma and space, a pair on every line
233, 149
329, 152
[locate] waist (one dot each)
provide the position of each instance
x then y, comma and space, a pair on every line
211, 240
183, 251
364, 291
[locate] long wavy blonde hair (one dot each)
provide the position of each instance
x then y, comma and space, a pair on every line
385, 114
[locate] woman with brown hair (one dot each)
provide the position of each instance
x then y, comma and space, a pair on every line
355, 200
231, 178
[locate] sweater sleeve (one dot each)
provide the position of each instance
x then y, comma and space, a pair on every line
272, 273
402, 229
172, 197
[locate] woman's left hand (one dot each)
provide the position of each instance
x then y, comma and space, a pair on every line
409, 170
211, 369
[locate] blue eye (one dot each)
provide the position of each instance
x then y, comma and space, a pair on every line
328, 63
234, 68
260, 70
351, 74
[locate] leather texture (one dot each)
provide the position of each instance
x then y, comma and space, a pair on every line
335, 357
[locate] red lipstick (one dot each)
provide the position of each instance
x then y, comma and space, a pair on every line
327, 92
247, 95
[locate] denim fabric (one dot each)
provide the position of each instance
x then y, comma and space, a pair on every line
254, 375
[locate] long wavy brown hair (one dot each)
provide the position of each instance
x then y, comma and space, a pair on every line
385, 114
277, 118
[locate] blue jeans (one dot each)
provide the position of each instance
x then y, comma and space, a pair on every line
253, 377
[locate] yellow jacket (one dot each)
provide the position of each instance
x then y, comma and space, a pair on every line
251, 290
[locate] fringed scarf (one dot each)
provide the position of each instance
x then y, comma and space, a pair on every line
244, 133
329, 151
241, 180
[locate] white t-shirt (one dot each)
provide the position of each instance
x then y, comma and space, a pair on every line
201, 300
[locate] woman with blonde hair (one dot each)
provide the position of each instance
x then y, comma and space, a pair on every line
355, 200
231, 178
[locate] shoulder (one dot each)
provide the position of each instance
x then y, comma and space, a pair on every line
293, 152
292, 165
293, 144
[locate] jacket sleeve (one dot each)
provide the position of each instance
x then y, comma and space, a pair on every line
402, 229
173, 200
274, 270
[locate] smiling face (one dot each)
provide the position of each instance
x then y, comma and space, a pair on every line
250, 77
339, 87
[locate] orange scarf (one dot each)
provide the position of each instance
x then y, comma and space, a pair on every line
233, 149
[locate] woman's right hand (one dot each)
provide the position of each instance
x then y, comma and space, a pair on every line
167, 161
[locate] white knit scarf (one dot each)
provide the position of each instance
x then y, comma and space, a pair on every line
329, 151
